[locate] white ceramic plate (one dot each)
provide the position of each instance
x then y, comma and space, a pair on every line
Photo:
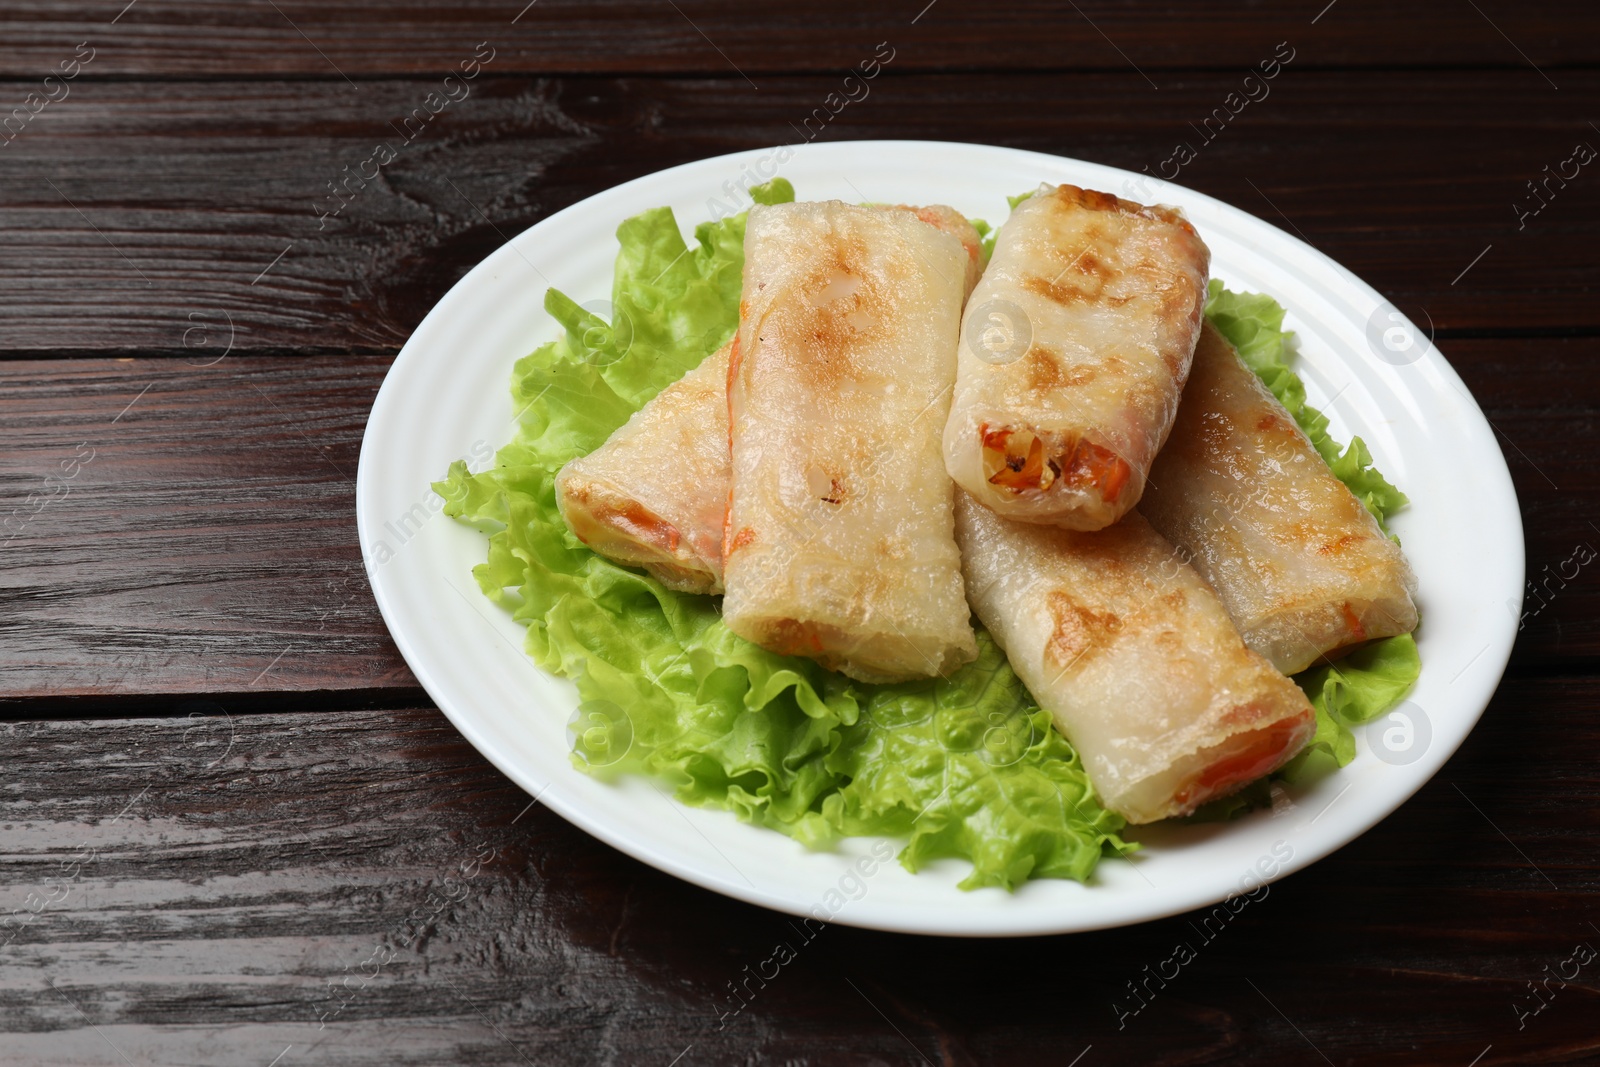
446, 398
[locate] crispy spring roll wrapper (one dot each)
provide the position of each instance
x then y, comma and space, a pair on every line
1297, 560
1134, 658
839, 542
655, 494
1084, 324
957, 225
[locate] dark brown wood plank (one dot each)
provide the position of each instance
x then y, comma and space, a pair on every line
201, 537
298, 37
134, 213
211, 885
1542, 398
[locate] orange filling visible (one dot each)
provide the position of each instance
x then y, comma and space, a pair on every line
734, 359
641, 524
791, 637
1262, 753
1086, 466
1100, 468
1018, 472
727, 525
1353, 624
994, 440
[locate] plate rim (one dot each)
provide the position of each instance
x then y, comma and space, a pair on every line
544, 791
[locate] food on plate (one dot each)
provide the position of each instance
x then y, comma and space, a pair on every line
966, 765
655, 494
1134, 658
1074, 352
839, 542
1302, 567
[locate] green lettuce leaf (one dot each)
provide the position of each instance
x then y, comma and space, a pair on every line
966, 767
970, 767
1352, 691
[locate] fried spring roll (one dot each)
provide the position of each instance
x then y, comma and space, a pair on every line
1074, 352
1134, 658
1297, 560
839, 541
656, 493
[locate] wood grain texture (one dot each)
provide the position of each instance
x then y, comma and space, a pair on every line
212, 886
208, 544
217, 849
299, 38
201, 537
135, 213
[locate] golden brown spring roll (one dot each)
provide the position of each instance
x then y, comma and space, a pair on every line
1134, 658
656, 493
839, 542
1061, 406
1297, 560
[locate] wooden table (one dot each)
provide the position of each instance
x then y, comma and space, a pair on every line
229, 810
